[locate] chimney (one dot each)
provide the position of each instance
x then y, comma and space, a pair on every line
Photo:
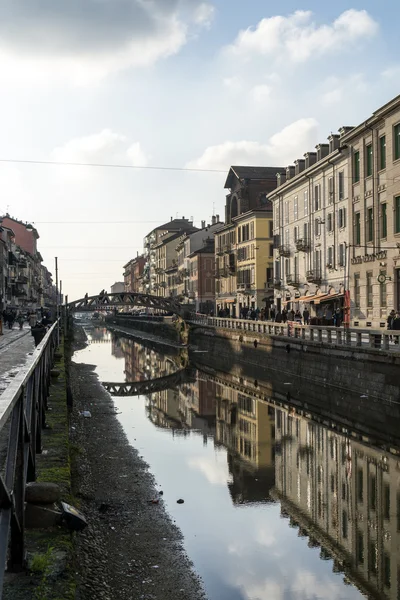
310, 159
299, 165
213, 220
290, 172
217, 218
344, 130
333, 142
322, 151
203, 225
280, 179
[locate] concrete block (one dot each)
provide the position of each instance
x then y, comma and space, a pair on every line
41, 517
37, 492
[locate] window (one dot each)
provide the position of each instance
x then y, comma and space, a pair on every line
317, 199
397, 214
370, 224
296, 233
356, 167
329, 224
386, 501
330, 190
342, 255
305, 230
382, 152
286, 212
305, 203
357, 229
369, 289
360, 547
287, 267
368, 160
396, 139
252, 230
330, 257
296, 208
287, 238
317, 227
357, 290
341, 185
271, 250
386, 570
296, 265
342, 218
345, 524
360, 485
384, 220
382, 291
239, 235
271, 229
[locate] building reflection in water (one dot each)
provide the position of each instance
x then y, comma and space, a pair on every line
340, 493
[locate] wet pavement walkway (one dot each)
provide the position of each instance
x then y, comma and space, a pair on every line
15, 345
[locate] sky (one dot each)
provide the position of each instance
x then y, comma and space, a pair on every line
182, 84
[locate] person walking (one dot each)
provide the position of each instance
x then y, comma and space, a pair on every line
306, 316
389, 322
337, 317
291, 314
284, 315
396, 326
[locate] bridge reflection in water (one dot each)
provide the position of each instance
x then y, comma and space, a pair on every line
341, 493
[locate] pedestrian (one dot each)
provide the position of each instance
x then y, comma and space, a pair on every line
389, 322
253, 314
38, 332
396, 326
284, 315
297, 316
278, 317
337, 317
32, 319
272, 313
257, 313
291, 315
306, 316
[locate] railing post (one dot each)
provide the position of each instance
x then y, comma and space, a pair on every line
329, 336
339, 336
320, 339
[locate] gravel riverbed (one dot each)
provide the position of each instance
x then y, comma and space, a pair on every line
131, 549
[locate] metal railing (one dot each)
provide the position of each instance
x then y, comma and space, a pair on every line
22, 407
381, 339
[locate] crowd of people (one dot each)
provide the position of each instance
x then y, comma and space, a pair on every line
328, 316
393, 323
38, 321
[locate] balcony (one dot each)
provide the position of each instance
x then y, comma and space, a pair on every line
277, 284
284, 250
224, 273
240, 287
22, 279
314, 276
18, 292
219, 251
292, 279
227, 248
23, 263
302, 245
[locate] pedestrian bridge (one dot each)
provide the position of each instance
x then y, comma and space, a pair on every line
104, 301
141, 388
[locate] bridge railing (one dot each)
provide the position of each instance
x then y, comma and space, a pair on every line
22, 417
335, 336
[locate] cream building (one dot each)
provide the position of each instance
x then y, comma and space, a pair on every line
311, 231
345, 497
373, 188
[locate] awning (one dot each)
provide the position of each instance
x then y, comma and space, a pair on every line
328, 297
309, 298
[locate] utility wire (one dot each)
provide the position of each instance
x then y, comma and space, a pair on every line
107, 165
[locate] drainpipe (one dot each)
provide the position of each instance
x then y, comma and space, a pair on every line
334, 213
309, 217
376, 237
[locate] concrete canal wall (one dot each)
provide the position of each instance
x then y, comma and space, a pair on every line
358, 386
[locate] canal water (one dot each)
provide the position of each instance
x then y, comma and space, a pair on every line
276, 505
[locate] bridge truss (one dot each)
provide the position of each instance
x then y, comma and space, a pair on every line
139, 388
106, 301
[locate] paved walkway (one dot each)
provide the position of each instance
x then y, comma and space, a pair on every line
15, 346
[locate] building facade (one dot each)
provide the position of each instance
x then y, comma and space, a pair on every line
247, 199
133, 272
373, 189
118, 287
311, 232
201, 290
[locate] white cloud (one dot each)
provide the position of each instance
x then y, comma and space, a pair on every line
85, 41
216, 472
337, 89
392, 73
283, 147
204, 15
261, 93
298, 38
104, 147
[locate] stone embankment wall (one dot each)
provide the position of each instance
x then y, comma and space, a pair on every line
161, 329
357, 386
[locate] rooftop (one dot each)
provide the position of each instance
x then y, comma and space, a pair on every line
252, 173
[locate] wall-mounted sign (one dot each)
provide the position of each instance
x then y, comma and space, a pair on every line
358, 260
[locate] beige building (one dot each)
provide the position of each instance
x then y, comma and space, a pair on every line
344, 496
311, 231
373, 188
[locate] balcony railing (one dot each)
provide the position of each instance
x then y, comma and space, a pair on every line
219, 251
292, 279
314, 276
22, 279
302, 245
23, 263
227, 247
284, 250
277, 284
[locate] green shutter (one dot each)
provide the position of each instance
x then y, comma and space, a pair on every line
396, 132
356, 167
382, 152
397, 214
369, 160
384, 221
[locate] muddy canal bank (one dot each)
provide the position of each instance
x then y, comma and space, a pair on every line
131, 548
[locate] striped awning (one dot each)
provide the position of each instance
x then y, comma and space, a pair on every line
328, 297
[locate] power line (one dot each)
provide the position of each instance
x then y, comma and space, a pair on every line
107, 165
90, 222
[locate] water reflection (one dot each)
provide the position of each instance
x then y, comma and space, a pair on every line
323, 489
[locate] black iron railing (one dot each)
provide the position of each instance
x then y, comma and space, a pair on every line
22, 407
